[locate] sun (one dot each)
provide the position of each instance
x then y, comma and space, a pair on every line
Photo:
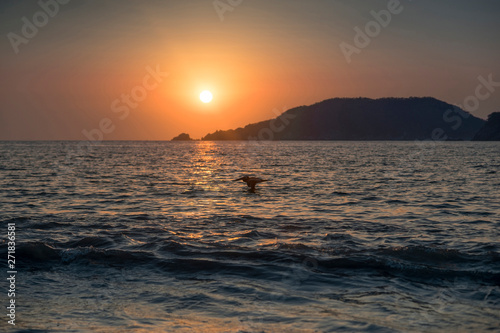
206, 96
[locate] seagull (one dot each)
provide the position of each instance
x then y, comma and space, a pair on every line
251, 181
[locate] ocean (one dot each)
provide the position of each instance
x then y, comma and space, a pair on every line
345, 236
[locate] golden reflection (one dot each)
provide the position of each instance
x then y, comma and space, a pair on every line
273, 242
194, 236
203, 165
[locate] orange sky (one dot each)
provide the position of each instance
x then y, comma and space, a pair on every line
263, 56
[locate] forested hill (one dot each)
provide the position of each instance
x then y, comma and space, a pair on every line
412, 118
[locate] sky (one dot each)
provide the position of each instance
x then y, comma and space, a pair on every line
134, 70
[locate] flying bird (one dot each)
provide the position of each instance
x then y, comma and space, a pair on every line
251, 181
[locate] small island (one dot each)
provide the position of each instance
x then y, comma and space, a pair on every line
182, 137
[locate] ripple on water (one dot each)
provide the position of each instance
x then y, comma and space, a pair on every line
155, 235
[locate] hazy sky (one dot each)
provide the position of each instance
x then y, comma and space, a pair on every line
104, 63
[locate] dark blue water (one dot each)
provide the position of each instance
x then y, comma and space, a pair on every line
154, 236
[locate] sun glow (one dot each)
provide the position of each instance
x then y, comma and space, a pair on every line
206, 96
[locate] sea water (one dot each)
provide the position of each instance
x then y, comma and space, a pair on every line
345, 236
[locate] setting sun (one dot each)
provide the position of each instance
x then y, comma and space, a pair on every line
206, 96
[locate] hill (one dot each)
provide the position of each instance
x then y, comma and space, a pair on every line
415, 118
491, 130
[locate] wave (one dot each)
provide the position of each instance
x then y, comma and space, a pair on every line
293, 246
48, 225
412, 262
418, 262
290, 227
340, 193
40, 253
424, 254
37, 252
90, 241
254, 234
